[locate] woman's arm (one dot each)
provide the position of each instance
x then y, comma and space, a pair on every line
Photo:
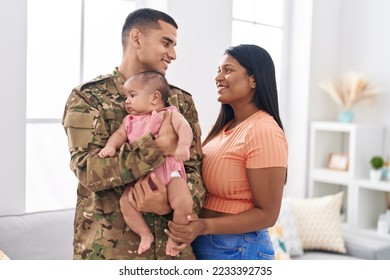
267, 189
266, 185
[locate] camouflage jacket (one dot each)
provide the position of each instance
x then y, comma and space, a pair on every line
92, 113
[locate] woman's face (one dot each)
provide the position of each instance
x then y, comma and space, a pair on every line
234, 86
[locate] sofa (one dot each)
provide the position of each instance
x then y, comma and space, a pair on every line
358, 246
44, 235
315, 228
48, 236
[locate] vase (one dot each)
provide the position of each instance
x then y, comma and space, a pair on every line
383, 224
375, 175
346, 116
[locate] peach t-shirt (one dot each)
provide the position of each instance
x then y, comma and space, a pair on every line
258, 142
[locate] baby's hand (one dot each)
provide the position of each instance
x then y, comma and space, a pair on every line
107, 151
182, 153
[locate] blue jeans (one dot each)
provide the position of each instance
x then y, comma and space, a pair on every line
255, 245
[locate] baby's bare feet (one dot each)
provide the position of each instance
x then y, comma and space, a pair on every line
147, 239
169, 250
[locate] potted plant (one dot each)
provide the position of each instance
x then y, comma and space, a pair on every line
377, 163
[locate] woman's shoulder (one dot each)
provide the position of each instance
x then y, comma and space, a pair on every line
261, 118
262, 122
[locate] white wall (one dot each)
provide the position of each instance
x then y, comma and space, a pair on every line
365, 47
350, 35
347, 35
356, 39
203, 35
13, 25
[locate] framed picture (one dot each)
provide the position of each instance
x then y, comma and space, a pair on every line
338, 161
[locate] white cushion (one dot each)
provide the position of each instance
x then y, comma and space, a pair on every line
277, 238
318, 221
3, 256
290, 228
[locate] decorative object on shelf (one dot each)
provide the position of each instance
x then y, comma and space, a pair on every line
346, 116
386, 169
351, 89
387, 197
383, 224
387, 213
377, 163
338, 161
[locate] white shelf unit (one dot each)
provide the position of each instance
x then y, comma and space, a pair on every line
359, 141
370, 198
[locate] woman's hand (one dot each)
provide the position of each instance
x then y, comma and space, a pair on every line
152, 199
185, 234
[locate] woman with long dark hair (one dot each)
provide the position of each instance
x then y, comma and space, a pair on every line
244, 165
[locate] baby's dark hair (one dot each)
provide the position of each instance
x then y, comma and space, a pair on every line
155, 81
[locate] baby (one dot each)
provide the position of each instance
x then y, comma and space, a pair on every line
146, 98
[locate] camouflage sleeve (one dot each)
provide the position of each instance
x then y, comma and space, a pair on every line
88, 128
193, 166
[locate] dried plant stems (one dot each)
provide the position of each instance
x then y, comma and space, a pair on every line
351, 89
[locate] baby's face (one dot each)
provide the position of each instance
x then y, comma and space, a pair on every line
139, 100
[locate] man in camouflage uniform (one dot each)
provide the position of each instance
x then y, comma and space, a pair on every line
93, 112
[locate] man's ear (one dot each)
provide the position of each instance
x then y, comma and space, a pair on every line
134, 36
156, 97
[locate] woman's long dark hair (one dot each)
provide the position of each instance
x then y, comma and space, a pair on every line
258, 63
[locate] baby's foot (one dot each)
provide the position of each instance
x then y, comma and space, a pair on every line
169, 250
147, 239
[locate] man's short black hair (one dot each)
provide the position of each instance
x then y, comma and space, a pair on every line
145, 19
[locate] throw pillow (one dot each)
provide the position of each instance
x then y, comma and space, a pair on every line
319, 225
276, 235
288, 222
3, 256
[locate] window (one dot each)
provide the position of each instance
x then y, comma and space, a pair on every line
260, 22
64, 49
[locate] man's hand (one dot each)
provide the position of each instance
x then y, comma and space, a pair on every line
167, 137
145, 199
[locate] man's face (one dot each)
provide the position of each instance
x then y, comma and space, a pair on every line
157, 48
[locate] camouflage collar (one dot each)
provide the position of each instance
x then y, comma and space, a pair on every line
119, 80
